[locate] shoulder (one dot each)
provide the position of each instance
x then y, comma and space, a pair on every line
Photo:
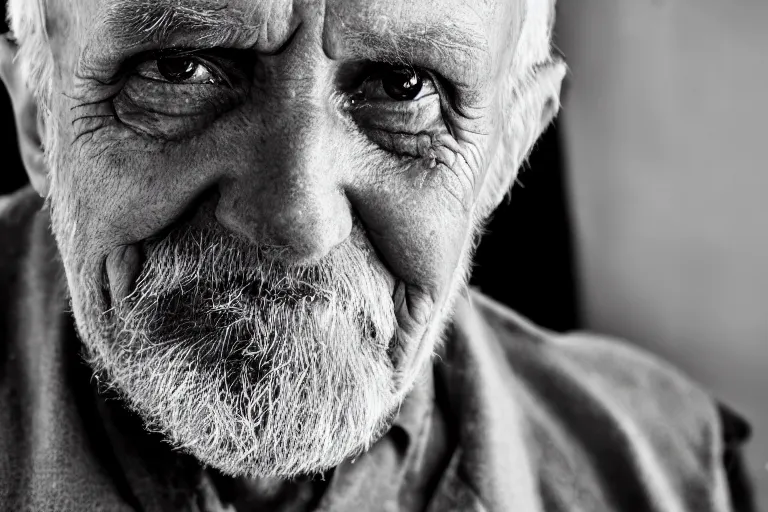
616, 404
622, 374
18, 216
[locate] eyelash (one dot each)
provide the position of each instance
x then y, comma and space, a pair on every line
227, 64
234, 70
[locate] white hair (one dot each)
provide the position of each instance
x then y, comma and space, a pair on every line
534, 44
522, 99
27, 20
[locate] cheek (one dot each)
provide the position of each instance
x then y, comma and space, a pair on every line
120, 189
422, 233
418, 224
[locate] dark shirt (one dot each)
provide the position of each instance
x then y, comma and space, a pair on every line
511, 418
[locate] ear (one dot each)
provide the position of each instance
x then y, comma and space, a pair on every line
28, 127
532, 111
550, 80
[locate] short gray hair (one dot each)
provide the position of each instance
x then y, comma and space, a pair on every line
27, 20
534, 44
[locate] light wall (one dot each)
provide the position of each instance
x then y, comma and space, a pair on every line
666, 121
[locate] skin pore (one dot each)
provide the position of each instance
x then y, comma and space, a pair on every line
259, 222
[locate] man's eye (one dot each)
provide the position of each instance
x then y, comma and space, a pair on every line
396, 82
402, 83
173, 94
179, 70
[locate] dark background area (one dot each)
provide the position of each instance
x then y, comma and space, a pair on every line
11, 169
525, 259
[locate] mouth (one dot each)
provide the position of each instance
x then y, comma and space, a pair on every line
123, 272
284, 292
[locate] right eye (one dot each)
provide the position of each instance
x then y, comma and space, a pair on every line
184, 69
179, 70
175, 94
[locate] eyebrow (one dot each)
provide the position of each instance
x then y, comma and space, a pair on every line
139, 22
460, 54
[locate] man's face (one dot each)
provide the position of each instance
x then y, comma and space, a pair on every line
265, 209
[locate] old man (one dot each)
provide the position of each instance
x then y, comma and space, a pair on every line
259, 218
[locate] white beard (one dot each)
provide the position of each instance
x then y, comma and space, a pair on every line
254, 367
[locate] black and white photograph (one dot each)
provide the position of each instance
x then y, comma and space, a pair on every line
384, 256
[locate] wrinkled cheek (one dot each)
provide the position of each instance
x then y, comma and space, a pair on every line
421, 235
80, 200
77, 205
114, 193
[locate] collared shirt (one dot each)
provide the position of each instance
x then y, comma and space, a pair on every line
515, 418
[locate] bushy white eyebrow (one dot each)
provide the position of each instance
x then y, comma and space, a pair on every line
464, 52
134, 22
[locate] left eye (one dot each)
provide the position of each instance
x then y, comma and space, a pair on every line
402, 83
396, 82
178, 70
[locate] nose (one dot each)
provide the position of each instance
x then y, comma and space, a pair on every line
288, 191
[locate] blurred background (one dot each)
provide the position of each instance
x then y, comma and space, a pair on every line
664, 128
642, 211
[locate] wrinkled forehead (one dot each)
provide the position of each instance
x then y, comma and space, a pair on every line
455, 27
